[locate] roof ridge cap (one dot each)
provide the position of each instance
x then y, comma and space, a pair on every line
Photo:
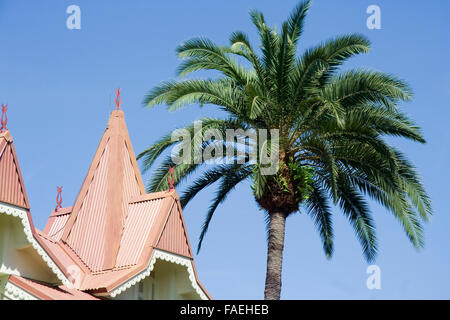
61, 211
44, 235
6, 135
153, 196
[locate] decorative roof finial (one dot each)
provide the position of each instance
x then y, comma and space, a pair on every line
58, 198
118, 100
171, 179
4, 119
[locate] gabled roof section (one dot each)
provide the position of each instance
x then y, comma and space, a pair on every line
155, 222
174, 235
12, 188
98, 216
115, 230
143, 222
56, 222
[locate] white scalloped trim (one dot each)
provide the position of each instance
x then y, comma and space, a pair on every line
22, 214
170, 257
13, 292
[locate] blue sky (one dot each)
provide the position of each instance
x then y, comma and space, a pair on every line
59, 84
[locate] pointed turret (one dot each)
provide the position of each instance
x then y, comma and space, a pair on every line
95, 225
113, 235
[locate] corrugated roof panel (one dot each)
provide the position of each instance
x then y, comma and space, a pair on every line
87, 235
139, 223
130, 184
57, 227
46, 291
3, 144
174, 237
104, 279
58, 255
11, 190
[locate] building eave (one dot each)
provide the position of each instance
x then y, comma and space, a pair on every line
169, 257
33, 239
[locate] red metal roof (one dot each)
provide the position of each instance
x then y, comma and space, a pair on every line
47, 291
98, 217
114, 225
87, 233
12, 189
56, 222
139, 223
112, 229
174, 235
108, 280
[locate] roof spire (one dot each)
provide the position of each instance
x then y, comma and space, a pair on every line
112, 180
4, 119
58, 198
171, 179
117, 99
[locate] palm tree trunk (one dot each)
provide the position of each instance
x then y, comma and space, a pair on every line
275, 255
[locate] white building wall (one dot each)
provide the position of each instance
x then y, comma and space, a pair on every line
167, 281
17, 256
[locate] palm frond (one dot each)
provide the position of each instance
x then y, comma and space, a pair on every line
320, 212
356, 209
228, 183
207, 178
318, 64
203, 54
333, 122
296, 20
357, 87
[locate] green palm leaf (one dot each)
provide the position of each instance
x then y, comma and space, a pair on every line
333, 127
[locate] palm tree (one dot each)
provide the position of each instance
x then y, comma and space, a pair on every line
331, 127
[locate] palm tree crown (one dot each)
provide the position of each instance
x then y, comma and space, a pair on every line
331, 128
